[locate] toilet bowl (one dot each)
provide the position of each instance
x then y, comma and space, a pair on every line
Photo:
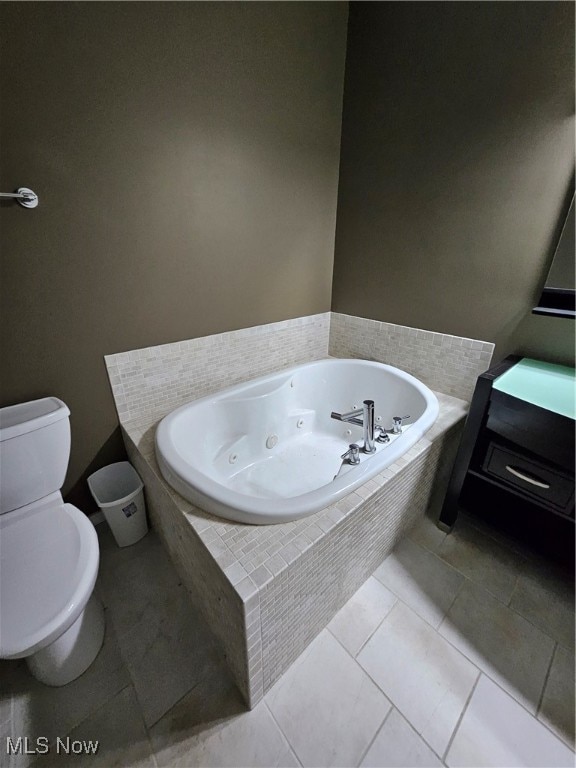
48, 549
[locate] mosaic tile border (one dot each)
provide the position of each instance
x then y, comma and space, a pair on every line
445, 363
149, 383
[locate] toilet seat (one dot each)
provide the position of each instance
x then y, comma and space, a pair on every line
48, 565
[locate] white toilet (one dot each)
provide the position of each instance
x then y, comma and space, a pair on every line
48, 549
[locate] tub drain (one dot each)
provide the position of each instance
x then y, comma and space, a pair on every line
271, 441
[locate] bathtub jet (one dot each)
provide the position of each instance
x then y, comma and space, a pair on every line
270, 450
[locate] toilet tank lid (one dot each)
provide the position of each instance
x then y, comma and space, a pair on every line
18, 419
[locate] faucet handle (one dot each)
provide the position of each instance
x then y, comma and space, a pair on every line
352, 455
380, 435
397, 428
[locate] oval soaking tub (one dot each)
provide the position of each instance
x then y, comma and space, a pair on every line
268, 451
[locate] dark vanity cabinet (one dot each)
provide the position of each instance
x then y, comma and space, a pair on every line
518, 442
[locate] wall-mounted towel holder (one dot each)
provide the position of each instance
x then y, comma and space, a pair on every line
24, 196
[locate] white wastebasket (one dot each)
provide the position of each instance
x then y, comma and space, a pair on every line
119, 492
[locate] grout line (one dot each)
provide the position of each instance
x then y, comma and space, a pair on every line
106, 704
420, 544
492, 679
514, 588
410, 607
355, 658
460, 653
373, 739
484, 672
460, 588
546, 677
533, 716
491, 594
292, 747
365, 643
341, 644
550, 637
476, 583
464, 708
420, 735
512, 609
170, 708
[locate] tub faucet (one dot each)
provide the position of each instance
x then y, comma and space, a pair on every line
397, 420
366, 422
351, 456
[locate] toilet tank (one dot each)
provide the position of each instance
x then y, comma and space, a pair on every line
34, 451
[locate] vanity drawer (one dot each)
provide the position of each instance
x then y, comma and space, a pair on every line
532, 478
534, 429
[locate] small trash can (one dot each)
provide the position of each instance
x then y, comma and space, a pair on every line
119, 492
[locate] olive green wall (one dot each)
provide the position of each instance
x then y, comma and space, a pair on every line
186, 160
186, 156
457, 152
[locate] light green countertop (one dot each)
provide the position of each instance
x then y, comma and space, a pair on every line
544, 384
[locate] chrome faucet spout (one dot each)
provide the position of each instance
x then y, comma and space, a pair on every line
351, 416
366, 422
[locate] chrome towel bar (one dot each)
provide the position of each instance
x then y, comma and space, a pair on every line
23, 196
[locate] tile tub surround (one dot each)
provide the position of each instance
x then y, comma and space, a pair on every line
445, 363
149, 383
267, 591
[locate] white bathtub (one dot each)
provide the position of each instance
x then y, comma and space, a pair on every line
268, 451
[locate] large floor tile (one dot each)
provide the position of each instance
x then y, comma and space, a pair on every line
507, 537
361, 615
211, 728
421, 580
503, 644
482, 559
497, 731
167, 653
5, 695
327, 707
10, 759
546, 599
557, 706
111, 555
136, 583
427, 534
397, 745
426, 678
215, 697
40, 710
118, 728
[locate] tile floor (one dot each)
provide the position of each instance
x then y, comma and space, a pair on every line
458, 651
